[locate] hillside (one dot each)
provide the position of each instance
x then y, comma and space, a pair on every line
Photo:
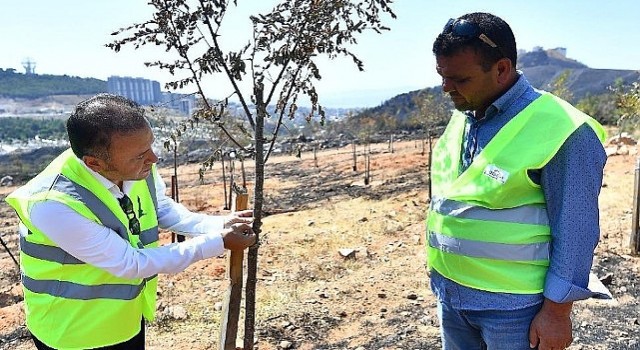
541, 67
552, 57
581, 81
31, 86
401, 106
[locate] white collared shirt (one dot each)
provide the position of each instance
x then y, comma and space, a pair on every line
104, 248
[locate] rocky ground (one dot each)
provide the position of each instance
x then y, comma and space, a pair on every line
310, 296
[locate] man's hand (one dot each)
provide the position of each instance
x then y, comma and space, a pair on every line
551, 327
239, 217
238, 236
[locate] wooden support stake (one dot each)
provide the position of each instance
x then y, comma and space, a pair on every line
233, 297
176, 198
355, 158
634, 242
367, 168
315, 156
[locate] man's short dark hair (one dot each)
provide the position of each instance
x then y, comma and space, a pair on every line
448, 44
96, 119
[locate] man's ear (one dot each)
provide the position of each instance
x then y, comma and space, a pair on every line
504, 71
94, 163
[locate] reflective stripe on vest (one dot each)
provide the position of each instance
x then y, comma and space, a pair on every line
489, 250
92, 202
57, 254
526, 214
72, 290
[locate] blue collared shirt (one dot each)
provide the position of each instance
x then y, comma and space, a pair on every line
571, 184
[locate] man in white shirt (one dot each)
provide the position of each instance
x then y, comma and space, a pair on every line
89, 253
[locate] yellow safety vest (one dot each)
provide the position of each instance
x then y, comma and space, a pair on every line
70, 304
487, 228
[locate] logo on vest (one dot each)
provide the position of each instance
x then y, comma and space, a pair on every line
496, 173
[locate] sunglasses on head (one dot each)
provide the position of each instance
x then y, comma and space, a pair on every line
468, 29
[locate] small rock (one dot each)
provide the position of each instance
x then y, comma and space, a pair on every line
392, 227
611, 151
623, 150
6, 180
177, 312
364, 251
285, 344
347, 253
217, 306
285, 324
412, 296
607, 279
622, 139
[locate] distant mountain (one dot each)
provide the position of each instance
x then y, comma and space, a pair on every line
31, 86
400, 107
553, 57
541, 68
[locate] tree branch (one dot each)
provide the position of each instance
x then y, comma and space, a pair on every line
232, 80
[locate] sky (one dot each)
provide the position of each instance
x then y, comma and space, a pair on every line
68, 37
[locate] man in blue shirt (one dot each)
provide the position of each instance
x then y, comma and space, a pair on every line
476, 57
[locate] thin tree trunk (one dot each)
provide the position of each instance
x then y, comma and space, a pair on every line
252, 256
429, 162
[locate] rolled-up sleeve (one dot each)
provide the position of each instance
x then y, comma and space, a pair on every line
571, 182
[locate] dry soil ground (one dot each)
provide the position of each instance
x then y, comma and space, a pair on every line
311, 297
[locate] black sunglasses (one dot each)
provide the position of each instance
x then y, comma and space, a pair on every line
468, 29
